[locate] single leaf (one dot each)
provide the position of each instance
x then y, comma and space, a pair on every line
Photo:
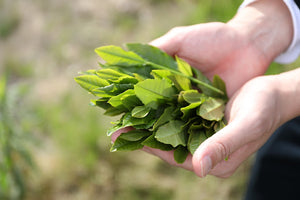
114, 55
209, 132
200, 76
147, 121
184, 67
195, 139
180, 154
89, 72
161, 74
111, 90
195, 126
220, 84
102, 103
112, 111
208, 124
181, 82
212, 109
140, 111
165, 117
152, 92
125, 145
152, 54
135, 135
153, 143
209, 92
118, 101
115, 76
171, 133
189, 110
139, 77
146, 125
218, 126
193, 96
91, 82
114, 128
130, 100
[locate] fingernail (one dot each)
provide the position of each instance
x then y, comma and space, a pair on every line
205, 165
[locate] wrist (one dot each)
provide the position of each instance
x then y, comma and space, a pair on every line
288, 90
266, 25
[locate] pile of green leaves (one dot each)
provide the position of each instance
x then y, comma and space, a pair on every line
170, 105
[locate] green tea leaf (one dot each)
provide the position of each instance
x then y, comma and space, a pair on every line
195, 139
102, 103
220, 84
153, 143
113, 129
161, 74
114, 55
89, 72
171, 133
115, 76
140, 111
196, 126
125, 145
165, 117
91, 82
111, 90
152, 54
212, 109
184, 67
112, 111
218, 126
153, 92
181, 82
118, 101
188, 110
147, 121
193, 96
130, 100
201, 77
180, 154
135, 135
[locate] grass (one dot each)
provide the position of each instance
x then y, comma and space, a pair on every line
46, 43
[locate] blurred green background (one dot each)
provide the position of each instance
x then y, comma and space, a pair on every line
53, 144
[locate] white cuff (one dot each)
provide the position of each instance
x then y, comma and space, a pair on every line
293, 51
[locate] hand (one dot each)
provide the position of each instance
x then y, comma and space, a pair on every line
253, 113
237, 51
216, 48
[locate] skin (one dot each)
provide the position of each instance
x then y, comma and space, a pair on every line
240, 52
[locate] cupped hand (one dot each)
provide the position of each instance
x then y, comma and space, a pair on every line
253, 113
216, 48
238, 52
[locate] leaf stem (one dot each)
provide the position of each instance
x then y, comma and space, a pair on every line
210, 87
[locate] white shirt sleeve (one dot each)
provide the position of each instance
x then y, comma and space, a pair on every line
293, 51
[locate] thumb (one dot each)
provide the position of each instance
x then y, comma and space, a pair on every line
171, 41
218, 147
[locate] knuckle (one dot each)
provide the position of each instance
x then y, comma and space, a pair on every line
176, 30
222, 149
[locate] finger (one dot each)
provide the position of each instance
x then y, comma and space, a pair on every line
116, 134
227, 167
168, 156
219, 146
171, 41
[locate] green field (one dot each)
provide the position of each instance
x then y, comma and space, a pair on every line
53, 143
